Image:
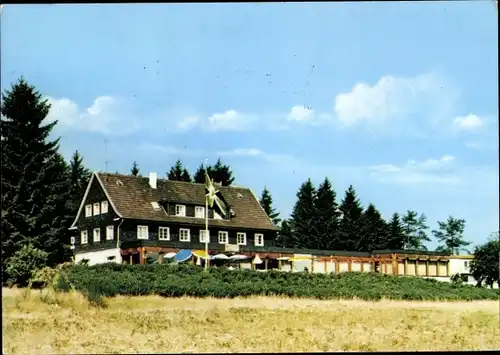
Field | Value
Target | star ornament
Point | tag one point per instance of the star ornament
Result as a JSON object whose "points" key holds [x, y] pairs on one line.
{"points": [[211, 191]]}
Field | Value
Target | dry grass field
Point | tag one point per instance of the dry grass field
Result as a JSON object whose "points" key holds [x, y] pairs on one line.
{"points": [[43, 323]]}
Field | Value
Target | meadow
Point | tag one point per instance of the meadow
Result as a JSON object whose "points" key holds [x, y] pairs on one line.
{"points": [[43, 322]]}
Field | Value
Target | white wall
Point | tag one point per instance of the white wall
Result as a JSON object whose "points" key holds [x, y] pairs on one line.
{"points": [[100, 256], [459, 266]]}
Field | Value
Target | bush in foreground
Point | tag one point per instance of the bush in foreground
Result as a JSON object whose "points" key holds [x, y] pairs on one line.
{"points": [[185, 280]]}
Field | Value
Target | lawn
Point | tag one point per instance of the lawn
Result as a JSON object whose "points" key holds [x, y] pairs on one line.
{"points": [[42, 322]]}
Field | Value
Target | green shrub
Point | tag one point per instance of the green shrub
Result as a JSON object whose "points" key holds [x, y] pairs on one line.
{"points": [[174, 280], [23, 265]]}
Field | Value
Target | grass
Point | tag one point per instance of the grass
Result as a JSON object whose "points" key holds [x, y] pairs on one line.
{"points": [[42, 322]]}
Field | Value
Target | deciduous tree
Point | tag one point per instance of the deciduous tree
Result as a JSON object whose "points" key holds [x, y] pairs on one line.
{"points": [[450, 235], [415, 231], [485, 265]]}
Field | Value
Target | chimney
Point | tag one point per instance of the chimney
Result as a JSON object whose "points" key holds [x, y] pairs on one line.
{"points": [[152, 179]]}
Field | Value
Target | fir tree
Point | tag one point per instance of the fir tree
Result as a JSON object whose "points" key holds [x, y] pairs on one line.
{"points": [[221, 173], [327, 217], [374, 231], [266, 201], [35, 178], [450, 235], [79, 178], [304, 217], [135, 169], [414, 229], [284, 239], [350, 221], [199, 175], [396, 238], [179, 173]]}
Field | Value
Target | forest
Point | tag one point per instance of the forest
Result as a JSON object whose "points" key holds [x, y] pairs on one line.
{"points": [[41, 193]]}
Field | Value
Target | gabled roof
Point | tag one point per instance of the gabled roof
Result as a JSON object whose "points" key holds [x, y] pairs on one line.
{"points": [[131, 198]]}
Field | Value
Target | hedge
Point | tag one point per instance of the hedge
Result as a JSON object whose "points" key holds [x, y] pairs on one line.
{"points": [[186, 280]]}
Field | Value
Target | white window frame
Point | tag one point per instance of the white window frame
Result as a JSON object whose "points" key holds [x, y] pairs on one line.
{"points": [[186, 238], [244, 235], [97, 209], [225, 237], [84, 237], [142, 232], [256, 237], [199, 212], [161, 235], [96, 233], [88, 210], [202, 236], [104, 207], [110, 232], [180, 210]]}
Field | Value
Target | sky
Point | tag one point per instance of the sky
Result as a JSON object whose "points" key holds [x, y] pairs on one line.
{"points": [[399, 99]]}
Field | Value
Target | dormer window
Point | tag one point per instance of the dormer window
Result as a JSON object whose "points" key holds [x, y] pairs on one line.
{"points": [[199, 212], [217, 216], [180, 210]]}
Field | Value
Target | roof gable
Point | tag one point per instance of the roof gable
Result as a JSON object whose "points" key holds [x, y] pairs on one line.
{"points": [[132, 197]]}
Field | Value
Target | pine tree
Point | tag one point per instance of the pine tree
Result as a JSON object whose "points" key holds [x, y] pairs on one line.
{"points": [[221, 173], [199, 175], [374, 235], [450, 234], [327, 217], [414, 229], [35, 178], [79, 178], [284, 239], [350, 221], [304, 217], [186, 176], [396, 234], [266, 201], [179, 173], [135, 169]]}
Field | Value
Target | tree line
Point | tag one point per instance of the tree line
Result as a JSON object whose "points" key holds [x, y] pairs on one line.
{"points": [[41, 194]]}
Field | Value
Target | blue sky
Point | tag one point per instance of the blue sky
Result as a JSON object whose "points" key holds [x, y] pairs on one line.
{"points": [[398, 99]]}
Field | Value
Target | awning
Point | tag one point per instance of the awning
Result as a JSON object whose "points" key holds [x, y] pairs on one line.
{"points": [[257, 259], [238, 257], [283, 258], [169, 255], [220, 257], [301, 258], [200, 254]]}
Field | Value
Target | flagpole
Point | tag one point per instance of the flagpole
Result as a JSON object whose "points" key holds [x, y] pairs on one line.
{"points": [[206, 224], [206, 232]]}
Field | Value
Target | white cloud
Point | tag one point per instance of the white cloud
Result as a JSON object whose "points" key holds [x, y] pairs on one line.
{"points": [[301, 113], [469, 122], [442, 170], [187, 123], [106, 115], [257, 153], [395, 99], [230, 120], [148, 148]]}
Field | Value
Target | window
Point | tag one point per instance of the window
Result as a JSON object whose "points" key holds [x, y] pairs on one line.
{"points": [[111, 258], [164, 233], [104, 206], [97, 235], [156, 206], [204, 236], [180, 210], [96, 208], [88, 210], [110, 232], [259, 240], [466, 263], [199, 212], [84, 237], [72, 240], [142, 232], [223, 238], [184, 235], [241, 239]]}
